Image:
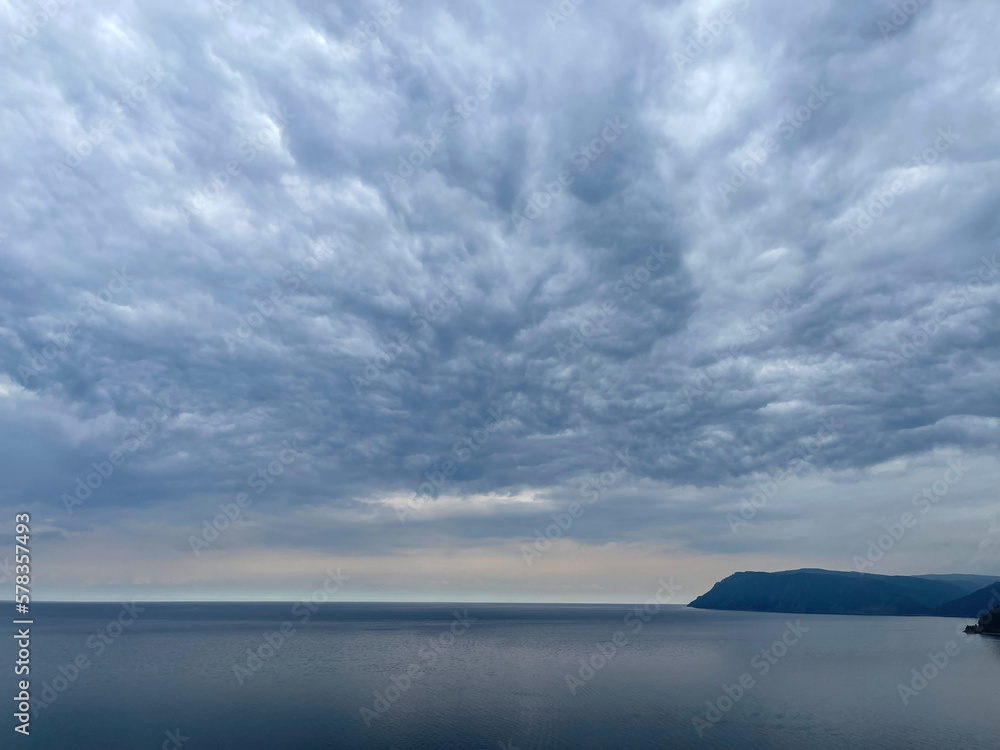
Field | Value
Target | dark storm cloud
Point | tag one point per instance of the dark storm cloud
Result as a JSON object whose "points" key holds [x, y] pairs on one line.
{"points": [[689, 232]]}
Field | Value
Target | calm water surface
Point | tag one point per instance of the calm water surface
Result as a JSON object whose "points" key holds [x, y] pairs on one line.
{"points": [[497, 677]]}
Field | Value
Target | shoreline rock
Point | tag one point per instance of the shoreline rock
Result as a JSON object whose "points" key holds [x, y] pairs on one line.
{"points": [[988, 624]]}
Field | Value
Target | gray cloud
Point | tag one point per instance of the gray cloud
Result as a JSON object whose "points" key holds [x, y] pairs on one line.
{"points": [[239, 167]]}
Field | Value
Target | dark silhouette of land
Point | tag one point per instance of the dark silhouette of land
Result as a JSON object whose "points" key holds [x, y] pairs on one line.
{"points": [[815, 591]]}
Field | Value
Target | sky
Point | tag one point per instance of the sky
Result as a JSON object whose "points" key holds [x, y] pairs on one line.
{"points": [[496, 301]]}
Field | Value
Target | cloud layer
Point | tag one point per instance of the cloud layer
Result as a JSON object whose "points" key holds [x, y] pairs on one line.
{"points": [[415, 276]]}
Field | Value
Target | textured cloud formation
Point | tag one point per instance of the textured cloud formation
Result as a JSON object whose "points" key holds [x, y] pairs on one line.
{"points": [[415, 276]]}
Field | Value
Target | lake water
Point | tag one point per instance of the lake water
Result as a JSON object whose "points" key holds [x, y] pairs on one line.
{"points": [[495, 676]]}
